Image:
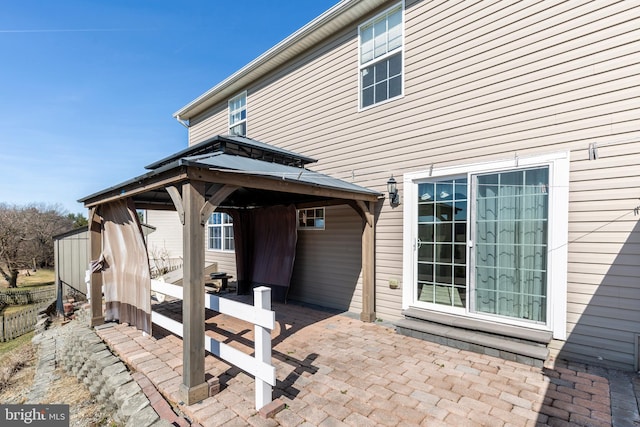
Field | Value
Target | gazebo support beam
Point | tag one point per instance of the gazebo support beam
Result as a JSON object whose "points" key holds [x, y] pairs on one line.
{"points": [[176, 198], [194, 388], [214, 201], [95, 245], [273, 184]]}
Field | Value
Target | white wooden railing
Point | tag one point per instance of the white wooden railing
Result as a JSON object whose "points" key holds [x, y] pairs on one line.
{"points": [[260, 314]]}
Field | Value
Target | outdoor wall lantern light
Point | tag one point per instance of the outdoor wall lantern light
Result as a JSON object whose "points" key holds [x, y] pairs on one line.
{"points": [[392, 189]]}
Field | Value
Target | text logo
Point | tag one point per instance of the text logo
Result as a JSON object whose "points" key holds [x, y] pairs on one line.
{"points": [[34, 415]]}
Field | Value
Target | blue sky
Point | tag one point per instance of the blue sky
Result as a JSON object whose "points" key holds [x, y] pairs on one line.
{"points": [[88, 88]]}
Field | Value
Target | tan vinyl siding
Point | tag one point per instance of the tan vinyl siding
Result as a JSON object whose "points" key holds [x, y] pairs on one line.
{"points": [[604, 249], [213, 122], [483, 81], [327, 268], [226, 261], [167, 238]]}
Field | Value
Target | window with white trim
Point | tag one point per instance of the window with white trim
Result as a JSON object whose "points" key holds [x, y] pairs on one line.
{"points": [[238, 115], [220, 232], [380, 42], [311, 219], [489, 241]]}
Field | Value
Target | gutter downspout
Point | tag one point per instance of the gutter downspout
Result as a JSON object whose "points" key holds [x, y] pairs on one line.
{"points": [[184, 123]]}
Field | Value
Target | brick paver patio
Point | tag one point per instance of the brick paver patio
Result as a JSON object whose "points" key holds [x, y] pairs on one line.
{"points": [[334, 370]]}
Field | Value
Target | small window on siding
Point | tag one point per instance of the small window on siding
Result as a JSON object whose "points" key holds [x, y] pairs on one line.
{"points": [[311, 219], [220, 232], [381, 57], [238, 115]]}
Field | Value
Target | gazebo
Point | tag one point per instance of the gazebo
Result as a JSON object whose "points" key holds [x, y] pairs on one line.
{"points": [[237, 175]]}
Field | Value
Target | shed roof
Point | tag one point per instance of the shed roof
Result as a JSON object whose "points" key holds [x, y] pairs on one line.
{"points": [[146, 230]]}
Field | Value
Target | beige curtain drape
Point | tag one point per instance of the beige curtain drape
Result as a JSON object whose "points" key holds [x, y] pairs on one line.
{"points": [[125, 275]]}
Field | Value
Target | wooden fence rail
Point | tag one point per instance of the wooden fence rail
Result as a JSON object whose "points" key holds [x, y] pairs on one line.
{"points": [[27, 296], [20, 322]]}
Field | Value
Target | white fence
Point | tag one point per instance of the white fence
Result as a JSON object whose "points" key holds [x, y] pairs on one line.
{"points": [[260, 314]]}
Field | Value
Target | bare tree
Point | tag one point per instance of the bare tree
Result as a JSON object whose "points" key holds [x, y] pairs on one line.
{"points": [[26, 237]]}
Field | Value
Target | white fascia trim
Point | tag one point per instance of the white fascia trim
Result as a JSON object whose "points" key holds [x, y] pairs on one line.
{"points": [[558, 245], [315, 30], [409, 229]]}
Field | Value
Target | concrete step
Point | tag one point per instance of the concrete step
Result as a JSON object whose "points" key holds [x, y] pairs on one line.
{"points": [[478, 337]]}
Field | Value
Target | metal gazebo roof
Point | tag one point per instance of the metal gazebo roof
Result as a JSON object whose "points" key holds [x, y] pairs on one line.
{"points": [[265, 175]]}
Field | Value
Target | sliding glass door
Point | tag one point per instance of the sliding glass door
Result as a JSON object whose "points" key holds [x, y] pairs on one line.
{"points": [[481, 244]]}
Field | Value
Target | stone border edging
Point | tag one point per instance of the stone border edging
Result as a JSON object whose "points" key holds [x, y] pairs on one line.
{"points": [[84, 355]]}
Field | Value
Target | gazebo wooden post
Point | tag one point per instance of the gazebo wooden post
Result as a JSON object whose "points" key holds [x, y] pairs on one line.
{"points": [[194, 388], [95, 247], [366, 210]]}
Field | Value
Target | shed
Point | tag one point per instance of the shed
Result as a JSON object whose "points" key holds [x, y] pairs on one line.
{"points": [[71, 257], [71, 260]]}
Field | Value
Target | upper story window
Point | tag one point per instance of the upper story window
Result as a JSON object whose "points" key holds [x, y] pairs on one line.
{"points": [[381, 57], [220, 232], [311, 219], [238, 115]]}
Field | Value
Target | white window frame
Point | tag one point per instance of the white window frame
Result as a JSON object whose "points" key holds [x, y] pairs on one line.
{"points": [[306, 227], [558, 164], [231, 112], [386, 56], [224, 223]]}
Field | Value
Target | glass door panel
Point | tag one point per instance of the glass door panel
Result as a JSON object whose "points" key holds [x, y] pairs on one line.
{"points": [[441, 242], [510, 241]]}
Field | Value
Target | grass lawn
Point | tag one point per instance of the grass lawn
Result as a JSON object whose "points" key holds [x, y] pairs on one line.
{"points": [[42, 277], [6, 347]]}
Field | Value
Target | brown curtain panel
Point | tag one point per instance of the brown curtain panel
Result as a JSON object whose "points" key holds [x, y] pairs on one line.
{"points": [[125, 274], [265, 244]]}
